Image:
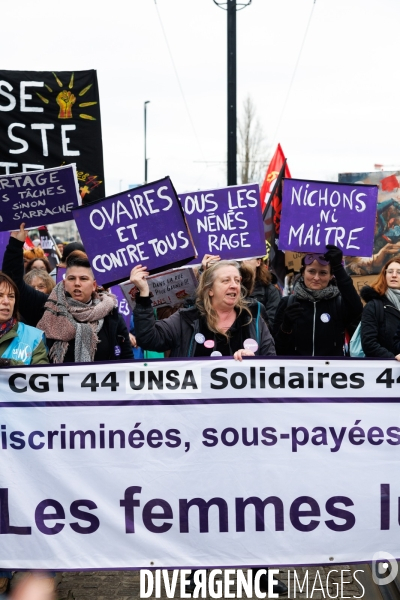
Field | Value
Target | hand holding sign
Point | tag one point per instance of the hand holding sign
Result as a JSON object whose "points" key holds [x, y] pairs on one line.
{"points": [[20, 235], [208, 259], [138, 277], [334, 255]]}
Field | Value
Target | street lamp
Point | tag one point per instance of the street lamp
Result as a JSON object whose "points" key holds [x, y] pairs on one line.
{"points": [[145, 140]]}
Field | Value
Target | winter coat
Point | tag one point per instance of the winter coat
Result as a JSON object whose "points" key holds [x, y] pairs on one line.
{"points": [[114, 343], [114, 336], [269, 296], [24, 345], [177, 332], [313, 336], [379, 323]]}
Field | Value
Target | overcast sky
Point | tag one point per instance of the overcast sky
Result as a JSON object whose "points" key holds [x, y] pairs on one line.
{"points": [[342, 111]]}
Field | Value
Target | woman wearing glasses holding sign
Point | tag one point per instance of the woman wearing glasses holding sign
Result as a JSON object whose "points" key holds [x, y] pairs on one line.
{"points": [[381, 315], [324, 303], [222, 323]]}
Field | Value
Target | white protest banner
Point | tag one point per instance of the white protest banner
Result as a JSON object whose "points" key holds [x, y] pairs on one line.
{"points": [[167, 289], [38, 197], [199, 463], [227, 222], [317, 213]]}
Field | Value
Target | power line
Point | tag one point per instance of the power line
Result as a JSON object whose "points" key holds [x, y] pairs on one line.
{"points": [[293, 76], [177, 77]]}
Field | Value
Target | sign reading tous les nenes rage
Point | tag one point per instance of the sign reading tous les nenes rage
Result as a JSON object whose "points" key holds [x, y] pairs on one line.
{"points": [[38, 197], [317, 213], [142, 226], [227, 222]]}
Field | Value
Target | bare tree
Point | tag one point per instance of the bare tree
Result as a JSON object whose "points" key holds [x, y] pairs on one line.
{"points": [[252, 152]]}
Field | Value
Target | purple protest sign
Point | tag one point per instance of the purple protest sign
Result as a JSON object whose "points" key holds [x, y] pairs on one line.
{"points": [[144, 226], [227, 222], [38, 197], [317, 213], [60, 274], [123, 306], [4, 237]]}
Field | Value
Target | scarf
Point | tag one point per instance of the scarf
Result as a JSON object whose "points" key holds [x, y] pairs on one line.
{"points": [[394, 297], [66, 319], [304, 293], [7, 326]]}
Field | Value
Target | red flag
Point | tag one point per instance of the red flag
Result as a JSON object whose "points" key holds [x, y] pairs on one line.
{"points": [[388, 184], [28, 243], [272, 207], [273, 171]]}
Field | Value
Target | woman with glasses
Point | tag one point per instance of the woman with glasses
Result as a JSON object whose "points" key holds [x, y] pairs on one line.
{"points": [[40, 280], [381, 315], [312, 322]]}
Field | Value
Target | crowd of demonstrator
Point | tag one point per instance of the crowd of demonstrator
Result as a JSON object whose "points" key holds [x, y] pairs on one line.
{"points": [[237, 311]]}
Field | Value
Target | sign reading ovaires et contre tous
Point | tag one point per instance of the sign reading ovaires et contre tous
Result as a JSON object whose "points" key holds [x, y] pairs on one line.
{"points": [[143, 226]]}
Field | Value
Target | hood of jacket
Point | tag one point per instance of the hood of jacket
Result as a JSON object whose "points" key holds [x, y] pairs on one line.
{"points": [[368, 293]]}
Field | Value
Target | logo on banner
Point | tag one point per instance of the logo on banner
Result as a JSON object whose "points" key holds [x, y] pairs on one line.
{"points": [[384, 568]]}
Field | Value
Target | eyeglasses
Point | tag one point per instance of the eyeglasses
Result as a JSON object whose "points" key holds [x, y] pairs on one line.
{"points": [[309, 259], [392, 272]]}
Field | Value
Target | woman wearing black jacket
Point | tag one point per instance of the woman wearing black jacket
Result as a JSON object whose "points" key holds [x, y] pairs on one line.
{"points": [[80, 324], [381, 315], [312, 322]]}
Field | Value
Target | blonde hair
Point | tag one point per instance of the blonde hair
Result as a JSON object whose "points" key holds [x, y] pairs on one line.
{"points": [[203, 299], [40, 274]]}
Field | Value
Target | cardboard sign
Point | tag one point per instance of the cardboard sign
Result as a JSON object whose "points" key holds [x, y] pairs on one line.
{"points": [[317, 213], [143, 226], [227, 222], [168, 289], [360, 282], [49, 119], [38, 197], [293, 261]]}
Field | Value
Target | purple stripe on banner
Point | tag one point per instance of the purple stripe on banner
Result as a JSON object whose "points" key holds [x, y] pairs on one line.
{"points": [[185, 402]]}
